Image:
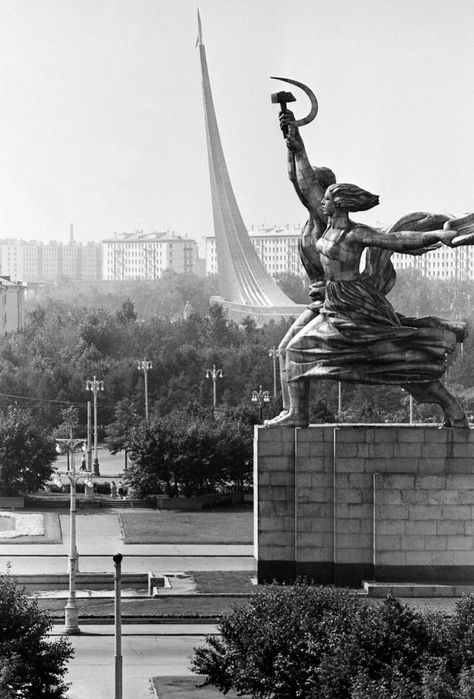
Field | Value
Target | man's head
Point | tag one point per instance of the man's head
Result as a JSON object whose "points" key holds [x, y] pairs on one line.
{"points": [[326, 177]]}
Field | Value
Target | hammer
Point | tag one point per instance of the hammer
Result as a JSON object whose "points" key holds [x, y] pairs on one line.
{"points": [[282, 98]]}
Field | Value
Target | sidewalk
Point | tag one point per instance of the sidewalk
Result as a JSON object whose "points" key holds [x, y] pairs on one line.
{"points": [[99, 537], [111, 466]]}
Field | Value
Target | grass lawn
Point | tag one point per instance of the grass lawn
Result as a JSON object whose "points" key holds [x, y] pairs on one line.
{"points": [[223, 581], [217, 526], [185, 687], [162, 608], [217, 582]]}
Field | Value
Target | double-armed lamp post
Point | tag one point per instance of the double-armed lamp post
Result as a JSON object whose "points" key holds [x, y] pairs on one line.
{"points": [[95, 386], [214, 374], [145, 365], [71, 620], [260, 397]]}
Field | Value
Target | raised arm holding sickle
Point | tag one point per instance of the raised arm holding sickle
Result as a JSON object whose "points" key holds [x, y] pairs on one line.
{"points": [[355, 335]]}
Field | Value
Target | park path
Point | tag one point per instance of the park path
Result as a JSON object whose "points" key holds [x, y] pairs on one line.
{"points": [[99, 537]]}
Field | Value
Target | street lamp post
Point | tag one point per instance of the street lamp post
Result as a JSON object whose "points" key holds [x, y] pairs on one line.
{"points": [[273, 353], [260, 397], [145, 366], [118, 625], [71, 620], [95, 386], [214, 374]]}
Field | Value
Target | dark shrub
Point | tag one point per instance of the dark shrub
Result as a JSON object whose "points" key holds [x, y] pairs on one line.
{"points": [[304, 641]]}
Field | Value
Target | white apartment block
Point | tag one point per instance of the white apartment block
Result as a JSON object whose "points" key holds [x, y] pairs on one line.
{"points": [[442, 263], [276, 247], [146, 255], [34, 261]]}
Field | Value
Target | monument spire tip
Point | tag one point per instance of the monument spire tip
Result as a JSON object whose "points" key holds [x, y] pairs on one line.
{"points": [[199, 36]]}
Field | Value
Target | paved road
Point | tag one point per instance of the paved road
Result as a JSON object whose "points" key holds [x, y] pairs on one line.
{"points": [[148, 650], [110, 465]]}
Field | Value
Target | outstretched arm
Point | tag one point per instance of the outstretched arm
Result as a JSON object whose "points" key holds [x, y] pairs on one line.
{"points": [[401, 241]]}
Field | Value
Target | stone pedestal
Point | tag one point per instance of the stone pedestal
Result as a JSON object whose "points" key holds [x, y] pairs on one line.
{"points": [[346, 503]]}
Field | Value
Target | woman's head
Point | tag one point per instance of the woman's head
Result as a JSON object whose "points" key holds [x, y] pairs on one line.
{"points": [[350, 197]]}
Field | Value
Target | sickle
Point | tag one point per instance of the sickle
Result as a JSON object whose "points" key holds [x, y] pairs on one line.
{"points": [[312, 97]]}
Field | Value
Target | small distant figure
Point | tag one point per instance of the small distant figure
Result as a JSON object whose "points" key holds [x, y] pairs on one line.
{"points": [[187, 310], [83, 466], [121, 491], [113, 489], [89, 488]]}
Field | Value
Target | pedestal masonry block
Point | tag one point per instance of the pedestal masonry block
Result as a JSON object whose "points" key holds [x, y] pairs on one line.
{"points": [[343, 503]]}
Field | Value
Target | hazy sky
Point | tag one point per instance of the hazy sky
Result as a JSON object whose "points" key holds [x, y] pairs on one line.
{"points": [[102, 125]]}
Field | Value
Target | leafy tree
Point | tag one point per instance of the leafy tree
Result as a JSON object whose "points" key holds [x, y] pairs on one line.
{"points": [[189, 454], [294, 287], [118, 432], [126, 313], [26, 453], [31, 665]]}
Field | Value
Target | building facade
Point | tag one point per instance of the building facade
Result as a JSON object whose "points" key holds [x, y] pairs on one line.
{"points": [[276, 247], [147, 255], [442, 263], [278, 250], [12, 300], [34, 261]]}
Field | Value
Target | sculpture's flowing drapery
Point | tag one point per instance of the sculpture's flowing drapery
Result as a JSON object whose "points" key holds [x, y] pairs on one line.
{"points": [[358, 337]]}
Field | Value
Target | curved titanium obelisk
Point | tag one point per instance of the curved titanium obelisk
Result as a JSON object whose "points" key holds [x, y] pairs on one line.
{"points": [[245, 285]]}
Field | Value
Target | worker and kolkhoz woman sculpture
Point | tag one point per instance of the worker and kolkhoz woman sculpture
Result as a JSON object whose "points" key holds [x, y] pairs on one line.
{"points": [[350, 332]]}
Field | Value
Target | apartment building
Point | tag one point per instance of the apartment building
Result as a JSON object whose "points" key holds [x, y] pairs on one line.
{"points": [[12, 299], [34, 261], [142, 255], [277, 248]]}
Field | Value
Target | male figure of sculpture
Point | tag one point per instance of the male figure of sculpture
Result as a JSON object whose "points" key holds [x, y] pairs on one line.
{"points": [[310, 183], [354, 334]]}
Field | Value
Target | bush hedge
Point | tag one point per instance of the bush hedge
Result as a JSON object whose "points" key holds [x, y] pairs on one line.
{"points": [[304, 641]]}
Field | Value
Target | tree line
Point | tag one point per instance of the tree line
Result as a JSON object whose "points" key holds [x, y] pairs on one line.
{"points": [[77, 332]]}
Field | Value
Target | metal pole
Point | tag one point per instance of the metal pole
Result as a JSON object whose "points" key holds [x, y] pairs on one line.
{"points": [[145, 371], [339, 399], [95, 427], [71, 621], [118, 625], [89, 440], [273, 353], [96, 460], [274, 375], [214, 390], [411, 409]]}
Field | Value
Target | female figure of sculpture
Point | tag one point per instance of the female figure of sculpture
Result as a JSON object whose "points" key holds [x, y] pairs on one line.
{"points": [[357, 336]]}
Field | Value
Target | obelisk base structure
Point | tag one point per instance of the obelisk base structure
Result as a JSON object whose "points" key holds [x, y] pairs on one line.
{"points": [[343, 503], [237, 312]]}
